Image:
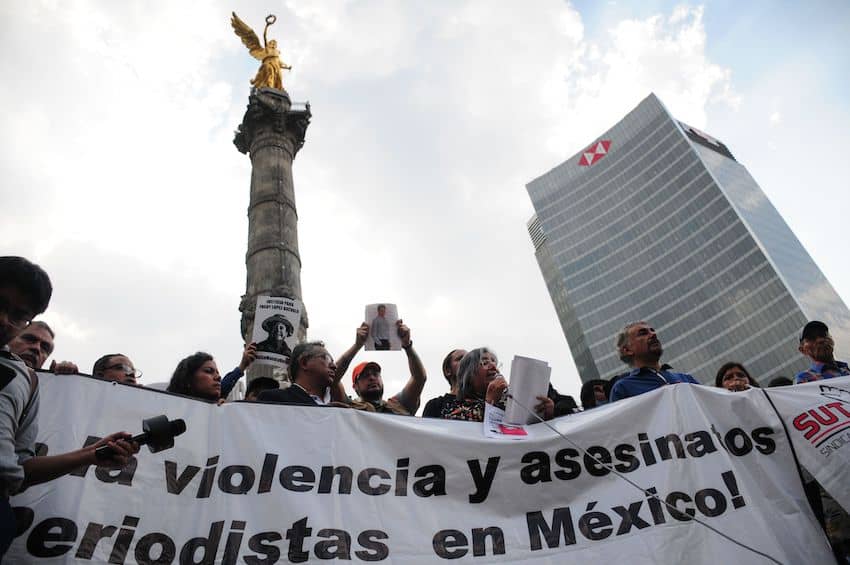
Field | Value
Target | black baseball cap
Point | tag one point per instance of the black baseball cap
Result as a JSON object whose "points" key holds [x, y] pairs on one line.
{"points": [[814, 329]]}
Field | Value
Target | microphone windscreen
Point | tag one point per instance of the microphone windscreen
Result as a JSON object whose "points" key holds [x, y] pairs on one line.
{"points": [[178, 426]]}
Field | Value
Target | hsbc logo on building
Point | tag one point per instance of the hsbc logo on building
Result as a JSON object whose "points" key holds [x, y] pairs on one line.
{"points": [[595, 152]]}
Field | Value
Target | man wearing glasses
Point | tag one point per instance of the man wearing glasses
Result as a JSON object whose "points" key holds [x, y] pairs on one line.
{"points": [[117, 368], [312, 373]]}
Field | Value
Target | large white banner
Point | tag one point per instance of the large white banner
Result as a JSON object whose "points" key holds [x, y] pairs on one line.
{"points": [[817, 416], [257, 483]]}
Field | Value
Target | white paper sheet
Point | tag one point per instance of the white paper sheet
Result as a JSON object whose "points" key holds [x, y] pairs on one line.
{"points": [[529, 379]]}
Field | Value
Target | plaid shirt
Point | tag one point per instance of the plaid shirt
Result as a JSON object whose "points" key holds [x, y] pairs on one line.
{"points": [[820, 371]]}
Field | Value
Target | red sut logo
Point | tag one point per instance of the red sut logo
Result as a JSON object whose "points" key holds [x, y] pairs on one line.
{"points": [[823, 422], [595, 152]]}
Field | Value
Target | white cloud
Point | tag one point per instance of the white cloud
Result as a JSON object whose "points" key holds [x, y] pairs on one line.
{"points": [[428, 121], [662, 55]]}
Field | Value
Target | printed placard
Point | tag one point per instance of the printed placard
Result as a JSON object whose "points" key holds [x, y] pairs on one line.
{"points": [[276, 321]]}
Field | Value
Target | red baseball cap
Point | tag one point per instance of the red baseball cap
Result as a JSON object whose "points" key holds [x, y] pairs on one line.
{"points": [[355, 374]]}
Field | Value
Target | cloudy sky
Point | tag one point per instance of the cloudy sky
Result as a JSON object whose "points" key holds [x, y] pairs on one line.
{"points": [[119, 174]]}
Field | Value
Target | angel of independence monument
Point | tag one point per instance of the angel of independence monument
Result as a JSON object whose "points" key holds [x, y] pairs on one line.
{"points": [[271, 133]]}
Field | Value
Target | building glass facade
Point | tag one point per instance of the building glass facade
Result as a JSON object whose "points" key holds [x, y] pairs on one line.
{"points": [[657, 221]]}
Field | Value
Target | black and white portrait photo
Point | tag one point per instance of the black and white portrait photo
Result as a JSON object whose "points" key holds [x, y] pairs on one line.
{"points": [[276, 321]]}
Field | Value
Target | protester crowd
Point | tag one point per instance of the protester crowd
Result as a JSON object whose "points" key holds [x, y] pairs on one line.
{"points": [[316, 378]]}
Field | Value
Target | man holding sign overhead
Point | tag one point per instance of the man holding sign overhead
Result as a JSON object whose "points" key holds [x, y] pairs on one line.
{"points": [[368, 383]]}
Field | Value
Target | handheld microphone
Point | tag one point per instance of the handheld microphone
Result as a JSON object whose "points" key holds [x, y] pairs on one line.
{"points": [[158, 434]]}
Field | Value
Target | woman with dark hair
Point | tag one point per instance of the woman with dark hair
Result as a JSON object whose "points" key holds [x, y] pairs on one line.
{"points": [[478, 382], [197, 376], [734, 377]]}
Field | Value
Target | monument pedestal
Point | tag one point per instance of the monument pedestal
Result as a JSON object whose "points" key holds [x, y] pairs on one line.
{"points": [[272, 131]]}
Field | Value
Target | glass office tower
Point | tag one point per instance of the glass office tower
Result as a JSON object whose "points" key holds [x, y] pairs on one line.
{"points": [[657, 221]]}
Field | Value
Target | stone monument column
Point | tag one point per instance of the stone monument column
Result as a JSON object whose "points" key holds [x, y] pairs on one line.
{"points": [[271, 132]]}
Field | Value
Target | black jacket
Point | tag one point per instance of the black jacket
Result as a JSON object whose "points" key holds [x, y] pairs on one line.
{"points": [[292, 395]]}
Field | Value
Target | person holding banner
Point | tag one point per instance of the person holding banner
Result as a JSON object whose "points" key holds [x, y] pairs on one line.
{"points": [[818, 346], [197, 376], [640, 348], [35, 344], [314, 378], [480, 382], [25, 291], [734, 377], [116, 367]]}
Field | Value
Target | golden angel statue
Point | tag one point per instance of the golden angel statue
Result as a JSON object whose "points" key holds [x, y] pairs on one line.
{"points": [[271, 69]]}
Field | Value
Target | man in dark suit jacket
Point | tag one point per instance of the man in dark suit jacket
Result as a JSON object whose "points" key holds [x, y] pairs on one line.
{"points": [[312, 372]]}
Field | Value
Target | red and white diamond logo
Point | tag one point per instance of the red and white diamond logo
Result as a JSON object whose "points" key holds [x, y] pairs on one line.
{"points": [[595, 152]]}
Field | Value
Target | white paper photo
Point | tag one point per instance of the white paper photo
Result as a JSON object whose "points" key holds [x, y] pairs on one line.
{"points": [[383, 333]]}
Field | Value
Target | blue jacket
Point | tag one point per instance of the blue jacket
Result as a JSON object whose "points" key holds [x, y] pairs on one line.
{"points": [[644, 379]]}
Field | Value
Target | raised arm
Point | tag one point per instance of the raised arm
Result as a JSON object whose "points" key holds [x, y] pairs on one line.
{"points": [[344, 360], [338, 393], [231, 378], [409, 395]]}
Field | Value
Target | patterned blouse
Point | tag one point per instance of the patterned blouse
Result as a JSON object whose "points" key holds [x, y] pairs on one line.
{"points": [[470, 409]]}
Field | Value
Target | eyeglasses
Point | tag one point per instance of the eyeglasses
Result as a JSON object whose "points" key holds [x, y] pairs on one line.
{"points": [[326, 357], [126, 369], [18, 318], [736, 375], [485, 361]]}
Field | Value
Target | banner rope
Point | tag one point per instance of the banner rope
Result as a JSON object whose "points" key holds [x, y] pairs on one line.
{"points": [[646, 492]]}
